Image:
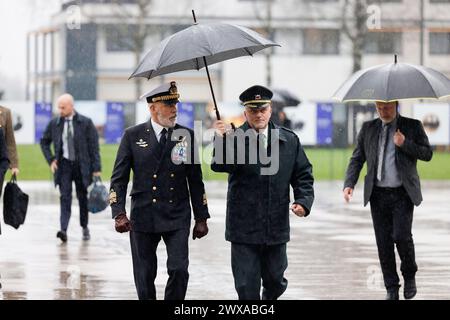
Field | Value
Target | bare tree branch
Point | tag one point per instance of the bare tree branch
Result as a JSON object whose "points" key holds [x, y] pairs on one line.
{"points": [[357, 30]]}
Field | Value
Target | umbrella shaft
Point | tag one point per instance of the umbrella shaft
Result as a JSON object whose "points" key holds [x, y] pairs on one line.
{"points": [[212, 89]]}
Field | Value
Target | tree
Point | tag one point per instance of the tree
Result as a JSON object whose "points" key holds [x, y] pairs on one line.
{"points": [[138, 34], [355, 28], [266, 26]]}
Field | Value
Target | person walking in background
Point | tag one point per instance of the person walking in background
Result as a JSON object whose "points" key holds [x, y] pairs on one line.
{"points": [[391, 146], [76, 158], [284, 121], [10, 142], [4, 161]]}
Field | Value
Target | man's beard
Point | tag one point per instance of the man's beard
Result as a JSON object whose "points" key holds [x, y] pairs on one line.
{"points": [[167, 122]]}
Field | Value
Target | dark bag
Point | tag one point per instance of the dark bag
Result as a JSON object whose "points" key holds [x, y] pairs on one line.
{"points": [[15, 204], [98, 197]]}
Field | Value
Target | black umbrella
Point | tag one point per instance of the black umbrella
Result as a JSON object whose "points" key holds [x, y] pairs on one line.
{"points": [[198, 46], [394, 81], [284, 98]]}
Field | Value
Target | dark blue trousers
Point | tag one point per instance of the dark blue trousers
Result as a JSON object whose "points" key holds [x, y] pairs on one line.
{"points": [[145, 263], [70, 171], [251, 263], [392, 216]]}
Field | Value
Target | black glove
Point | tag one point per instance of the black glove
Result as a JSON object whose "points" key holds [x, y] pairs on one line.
{"points": [[200, 229]]}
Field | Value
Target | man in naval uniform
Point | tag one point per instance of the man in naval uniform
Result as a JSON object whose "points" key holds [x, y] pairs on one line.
{"points": [[161, 155]]}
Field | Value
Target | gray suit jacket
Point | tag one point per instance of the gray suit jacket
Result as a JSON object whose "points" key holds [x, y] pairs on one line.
{"points": [[416, 147]]}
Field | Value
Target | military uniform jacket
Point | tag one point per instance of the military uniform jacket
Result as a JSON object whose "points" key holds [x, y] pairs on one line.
{"points": [[161, 188], [258, 205]]}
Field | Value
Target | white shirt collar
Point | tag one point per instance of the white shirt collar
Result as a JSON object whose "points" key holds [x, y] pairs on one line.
{"points": [[264, 132], [157, 128], [70, 117]]}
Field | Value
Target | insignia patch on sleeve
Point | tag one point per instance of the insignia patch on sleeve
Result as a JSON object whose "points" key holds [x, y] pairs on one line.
{"points": [[112, 197]]}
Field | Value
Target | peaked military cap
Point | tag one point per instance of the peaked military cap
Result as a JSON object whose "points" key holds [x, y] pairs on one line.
{"points": [[166, 93], [256, 97]]}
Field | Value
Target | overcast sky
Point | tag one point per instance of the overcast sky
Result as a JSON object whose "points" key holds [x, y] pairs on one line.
{"points": [[16, 19]]}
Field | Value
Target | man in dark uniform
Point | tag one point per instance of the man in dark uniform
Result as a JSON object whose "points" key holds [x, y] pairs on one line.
{"points": [[391, 146], [161, 154], [257, 220]]}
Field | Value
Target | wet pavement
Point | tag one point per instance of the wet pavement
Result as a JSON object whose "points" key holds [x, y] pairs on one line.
{"points": [[332, 253]]}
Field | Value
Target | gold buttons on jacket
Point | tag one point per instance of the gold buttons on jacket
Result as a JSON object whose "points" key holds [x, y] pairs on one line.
{"points": [[154, 188], [155, 176], [154, 200], [172, 175], [171, 201], [171, 189]]}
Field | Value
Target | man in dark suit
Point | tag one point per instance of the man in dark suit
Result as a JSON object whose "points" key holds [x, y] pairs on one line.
{"points": [[161, 155], [263, 160], [76, 158], [391, 145]]}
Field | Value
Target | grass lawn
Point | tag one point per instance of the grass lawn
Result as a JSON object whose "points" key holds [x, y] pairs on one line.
{"points": [[327, 164]]}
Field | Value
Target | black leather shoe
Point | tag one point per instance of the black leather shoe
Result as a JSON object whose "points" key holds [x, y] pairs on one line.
{"points": [[86, 234], [410, 289], [392, 294], [62, 235]]}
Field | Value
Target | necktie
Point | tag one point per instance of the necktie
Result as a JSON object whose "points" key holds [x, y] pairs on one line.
{"points": [[382, 151], [262, 140], [70, 141], [163, 139]]}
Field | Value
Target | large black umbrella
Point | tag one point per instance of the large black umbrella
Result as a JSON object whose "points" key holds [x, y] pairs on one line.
{"points": [[394, 81], [198, 46], [284, 98]]}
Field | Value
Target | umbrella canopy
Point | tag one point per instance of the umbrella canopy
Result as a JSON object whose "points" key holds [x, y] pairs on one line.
{"points": [[198, 46], [284, 98], [394, 81], [185, 49]]}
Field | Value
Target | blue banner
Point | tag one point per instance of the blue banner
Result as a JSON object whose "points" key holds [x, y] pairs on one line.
{"points": [[115, 122], [324, 123], [42, 116], [186, 114]]}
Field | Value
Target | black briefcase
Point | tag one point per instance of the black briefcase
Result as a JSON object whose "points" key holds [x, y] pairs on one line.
{"points": [[15, 204]]}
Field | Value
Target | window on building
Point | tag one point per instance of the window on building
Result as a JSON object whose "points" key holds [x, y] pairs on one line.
{"points": [[321, 0], [383, 43], [383, 1], [119, 38], [290, 41], [321, 41], [439, 42]]}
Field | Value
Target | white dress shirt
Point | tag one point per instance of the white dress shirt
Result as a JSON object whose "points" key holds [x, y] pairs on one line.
{"points": [[64, 136], [157, 128]]}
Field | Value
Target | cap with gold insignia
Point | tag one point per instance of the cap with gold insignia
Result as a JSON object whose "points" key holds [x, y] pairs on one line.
{"points": [[166, 93], [256, 97]]}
